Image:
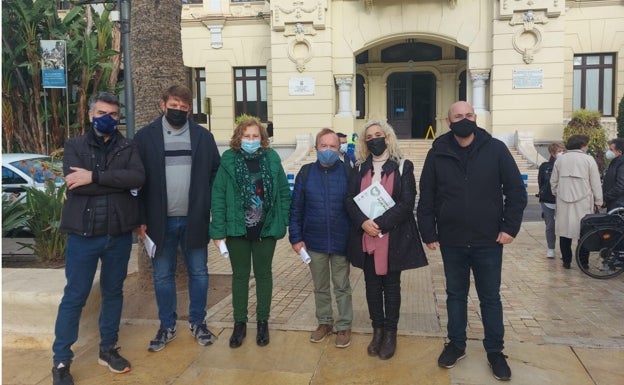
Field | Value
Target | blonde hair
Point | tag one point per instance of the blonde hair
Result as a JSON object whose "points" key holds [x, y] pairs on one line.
{"points": [[361, 150]]}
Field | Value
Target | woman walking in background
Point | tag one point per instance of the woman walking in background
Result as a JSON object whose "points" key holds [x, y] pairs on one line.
{"points": [[389, 243], [250, 206]]}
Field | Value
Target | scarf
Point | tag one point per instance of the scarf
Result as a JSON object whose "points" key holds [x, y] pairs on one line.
{"points": [[376, 246], [243, 178]]}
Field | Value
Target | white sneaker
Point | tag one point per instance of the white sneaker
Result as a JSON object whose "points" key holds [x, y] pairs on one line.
{"points": [[550, 253]]}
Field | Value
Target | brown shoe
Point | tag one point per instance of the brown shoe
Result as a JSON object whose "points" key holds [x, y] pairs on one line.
{"points": [[375, 344], [343, 338], [321, 332]]}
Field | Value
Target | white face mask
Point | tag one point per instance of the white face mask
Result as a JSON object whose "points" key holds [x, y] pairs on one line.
{"points": [[343, 147], [558, 155], [610, 155]]}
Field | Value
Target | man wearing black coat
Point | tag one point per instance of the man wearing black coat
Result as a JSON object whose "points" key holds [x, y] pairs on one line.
{"points": [[471, 204], [181, 161], [613, 182]]}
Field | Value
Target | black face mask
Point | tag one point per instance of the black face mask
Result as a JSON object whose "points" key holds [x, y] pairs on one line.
{"points": [[463, 128], [176, 118], [376, 146]]}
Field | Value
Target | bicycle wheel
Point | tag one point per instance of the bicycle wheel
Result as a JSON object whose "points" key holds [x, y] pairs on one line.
{"points": [[600, 253]]}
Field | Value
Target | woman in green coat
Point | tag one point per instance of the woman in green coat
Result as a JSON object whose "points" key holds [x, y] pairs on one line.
{"points": [[250, 207]]}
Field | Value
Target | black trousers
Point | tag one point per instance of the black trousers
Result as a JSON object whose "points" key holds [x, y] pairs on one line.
{"points": [[383, 295]]}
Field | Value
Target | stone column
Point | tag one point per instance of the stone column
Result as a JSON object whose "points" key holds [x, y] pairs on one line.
{"points": [[345, 83], [479, 77]]}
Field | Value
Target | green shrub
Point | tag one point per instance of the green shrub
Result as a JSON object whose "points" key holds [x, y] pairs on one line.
{"points": [[15, 215], [44, 207], [587, 122], [242, 117], [620, 119]]}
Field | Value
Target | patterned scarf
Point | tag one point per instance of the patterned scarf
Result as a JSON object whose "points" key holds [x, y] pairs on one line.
{"points": [[243, 178]]}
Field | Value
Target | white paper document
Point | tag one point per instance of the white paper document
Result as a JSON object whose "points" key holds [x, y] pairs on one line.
{"points": [[374, 200], [224, 250], [150, 246], [305, 257]]}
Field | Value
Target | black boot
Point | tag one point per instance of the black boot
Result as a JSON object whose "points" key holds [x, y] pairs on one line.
{"points": [[262, 338], [388, 345], [239, 333], [375, 344]]}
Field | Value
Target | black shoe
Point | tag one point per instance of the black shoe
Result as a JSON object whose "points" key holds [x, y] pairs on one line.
{"points": [[238, 335], [498, 363], [566, 265], [262, 338], [450, 355], [61, 375], [375, 344], [388, 345], [115, 362]]}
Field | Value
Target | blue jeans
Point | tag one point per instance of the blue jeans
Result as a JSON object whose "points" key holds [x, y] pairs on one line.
{"points": [[164, 270], [81, 260], [486, 265]]}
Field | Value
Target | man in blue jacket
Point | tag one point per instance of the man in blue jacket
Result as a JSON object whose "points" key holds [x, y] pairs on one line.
{"points": [[471, 202], [319, 223]]}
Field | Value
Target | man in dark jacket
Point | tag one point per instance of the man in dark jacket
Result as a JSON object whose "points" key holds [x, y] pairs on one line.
{"points": [[181, 160], [547, 200], [613, 182], [319, 223], [471, 204], [102, 171]]}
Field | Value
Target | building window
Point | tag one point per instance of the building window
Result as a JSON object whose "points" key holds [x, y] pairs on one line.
{"points": [[198, 85], [251, 92], [594, 82], [63, 5]]}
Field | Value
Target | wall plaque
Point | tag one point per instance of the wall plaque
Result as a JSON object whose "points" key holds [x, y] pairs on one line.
{"points": [[531, 78], [301, 86]]}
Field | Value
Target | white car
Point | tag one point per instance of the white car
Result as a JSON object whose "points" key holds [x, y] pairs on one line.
{"points": [[29, 170]]}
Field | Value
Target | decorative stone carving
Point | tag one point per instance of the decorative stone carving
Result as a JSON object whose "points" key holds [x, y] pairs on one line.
{"points": [[216, 38], [299, 48], [301, 11], [552, 8], [528, 39]]}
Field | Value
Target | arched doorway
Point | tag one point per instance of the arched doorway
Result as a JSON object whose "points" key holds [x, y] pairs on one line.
{"points": [[411, 103]]}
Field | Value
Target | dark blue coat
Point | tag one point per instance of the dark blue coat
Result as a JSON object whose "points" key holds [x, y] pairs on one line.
{"points": [[317, 211]]}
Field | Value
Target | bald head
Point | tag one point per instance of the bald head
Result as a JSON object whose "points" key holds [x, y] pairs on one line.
{"points": [[460, 110]]}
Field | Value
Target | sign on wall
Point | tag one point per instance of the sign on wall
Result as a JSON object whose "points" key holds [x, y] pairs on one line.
{"points": [[301, 86], [528, 78]]}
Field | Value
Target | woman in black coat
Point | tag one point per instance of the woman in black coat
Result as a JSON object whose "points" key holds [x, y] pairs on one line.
{"points": [[386, 244]]}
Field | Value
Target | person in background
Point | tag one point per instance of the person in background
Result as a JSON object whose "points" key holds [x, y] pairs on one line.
{"points": [[575, 181], [102, 172], [181, 160], [613, 182], [344, 145], [250, 206], [471, 204], [389, 243], [546, 198], [319, 223]]}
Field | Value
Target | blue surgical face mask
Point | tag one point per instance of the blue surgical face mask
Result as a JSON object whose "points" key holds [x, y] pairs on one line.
{"points": [[105, 124], [250, 146], [327, 157], [344, 147]]}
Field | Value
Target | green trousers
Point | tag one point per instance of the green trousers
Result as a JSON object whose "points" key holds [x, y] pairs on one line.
{"points": [[243, 255]]}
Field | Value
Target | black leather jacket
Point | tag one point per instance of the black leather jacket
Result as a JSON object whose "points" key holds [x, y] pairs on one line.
{"points": [[106, 206]]}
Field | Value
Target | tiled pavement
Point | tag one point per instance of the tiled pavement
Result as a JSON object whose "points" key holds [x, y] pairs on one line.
{"points": [[562, 327]]}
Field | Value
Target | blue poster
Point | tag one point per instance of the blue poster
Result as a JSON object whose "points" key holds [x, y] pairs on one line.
{"points": [[53, 57]]}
